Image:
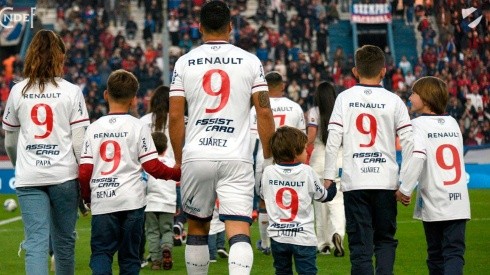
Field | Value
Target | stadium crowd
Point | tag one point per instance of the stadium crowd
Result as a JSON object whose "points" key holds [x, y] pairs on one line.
{"points": [[288, 36]]}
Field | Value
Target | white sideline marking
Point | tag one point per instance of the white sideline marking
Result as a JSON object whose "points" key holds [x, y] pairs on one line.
{"points": [[10, 220]]}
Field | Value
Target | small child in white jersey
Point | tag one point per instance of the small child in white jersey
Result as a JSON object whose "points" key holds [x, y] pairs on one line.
{"points": [[288, 188], [116, 150], [437, 164], [160, 210]]}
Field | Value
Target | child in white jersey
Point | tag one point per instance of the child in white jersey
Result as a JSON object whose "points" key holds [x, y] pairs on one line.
{"points": [[160, 210], [288, 188], [116, 149], [437, 164]]}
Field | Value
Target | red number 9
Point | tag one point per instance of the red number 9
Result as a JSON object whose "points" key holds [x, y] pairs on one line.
{"points": [[370, 131], [109, 154], [47, 119], [292, 206], [223, 92], [456, 162]]}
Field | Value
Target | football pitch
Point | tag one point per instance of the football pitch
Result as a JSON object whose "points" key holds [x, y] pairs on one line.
{"points": [[410, 257]]}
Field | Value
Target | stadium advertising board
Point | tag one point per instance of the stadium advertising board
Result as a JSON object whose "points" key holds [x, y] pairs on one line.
{"points": [[371, 13]]}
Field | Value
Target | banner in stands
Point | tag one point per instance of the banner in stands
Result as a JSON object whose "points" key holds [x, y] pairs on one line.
{"points": [[13, 22], [371, 13]]}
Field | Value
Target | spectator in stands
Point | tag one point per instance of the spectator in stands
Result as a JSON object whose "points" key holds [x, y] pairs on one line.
{"points": [[131, 28]]}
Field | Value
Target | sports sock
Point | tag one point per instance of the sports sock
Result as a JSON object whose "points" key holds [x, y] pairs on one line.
{"points": [[263, 224], [241, 255], [197, 255]]}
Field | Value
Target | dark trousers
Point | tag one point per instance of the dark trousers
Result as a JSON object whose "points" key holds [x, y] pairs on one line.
{"points": [[445, 246], [371, 227], [117, 232], [304, 258]]}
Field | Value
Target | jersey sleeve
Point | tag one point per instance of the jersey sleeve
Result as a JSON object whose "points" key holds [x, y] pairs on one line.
{"points": [[320, 193], [86, 156], [402, 118], [336, 121], [313, 117], [259, 79], [177, 85], [146, 146], [301, 119], [10, 121], [79, 116]]}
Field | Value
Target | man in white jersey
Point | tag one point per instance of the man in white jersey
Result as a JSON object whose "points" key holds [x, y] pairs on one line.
{"points": [[285, 112], [437, 164], [365, 120], [217, 81]]}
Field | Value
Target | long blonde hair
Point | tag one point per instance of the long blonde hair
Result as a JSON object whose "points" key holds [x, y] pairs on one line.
{"points": [[44, 60]]}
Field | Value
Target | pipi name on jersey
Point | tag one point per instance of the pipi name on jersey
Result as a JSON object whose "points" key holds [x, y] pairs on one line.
{"points": [[376, 157], [215, 60], [442, 135], [287, 183], [106, 182], [111, 135], [367, 105], [43, 149], [213, 142], [42, 95]]}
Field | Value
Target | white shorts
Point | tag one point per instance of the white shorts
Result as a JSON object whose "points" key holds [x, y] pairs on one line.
{"points": [[232, 182]]}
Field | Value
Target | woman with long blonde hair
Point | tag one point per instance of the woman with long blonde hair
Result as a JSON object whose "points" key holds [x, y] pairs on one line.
{"points": [[44, 122]]}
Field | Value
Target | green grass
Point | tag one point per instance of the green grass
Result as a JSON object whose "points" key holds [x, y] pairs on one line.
{"points": [[410, 258]]}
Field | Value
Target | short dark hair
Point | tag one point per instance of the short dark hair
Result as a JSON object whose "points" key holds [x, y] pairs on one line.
{"points": [[433, 92], [160, 140], [215, 16], [122, 85], [273, 78], [287, 143], [370, 60]]}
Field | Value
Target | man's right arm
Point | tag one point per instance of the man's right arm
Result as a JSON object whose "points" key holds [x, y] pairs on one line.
{"points": [[265, 120], [177, 126]]}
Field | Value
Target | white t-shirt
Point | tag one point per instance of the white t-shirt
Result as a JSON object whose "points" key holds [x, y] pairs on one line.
{"points": [[217, 80], [368, 118], [288, 191], [117, 145], [45, 120], [161, 194], [285, 112], [442, 185]]}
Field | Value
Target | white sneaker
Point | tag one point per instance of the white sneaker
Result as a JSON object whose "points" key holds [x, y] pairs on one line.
{"points": [[222, 253]]}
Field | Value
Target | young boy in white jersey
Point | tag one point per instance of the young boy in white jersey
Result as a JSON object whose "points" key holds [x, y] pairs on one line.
{"points": [[116, 149], [288, 188], [285, 112], [365, 121], [437, 164], [160, 210]]}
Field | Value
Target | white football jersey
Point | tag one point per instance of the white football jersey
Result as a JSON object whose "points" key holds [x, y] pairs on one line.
{"points": [[369, 118], [117, 145], [442, 189], [288, 191], [285, 112], [45, 120], [217, 80], [161, 194]]}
